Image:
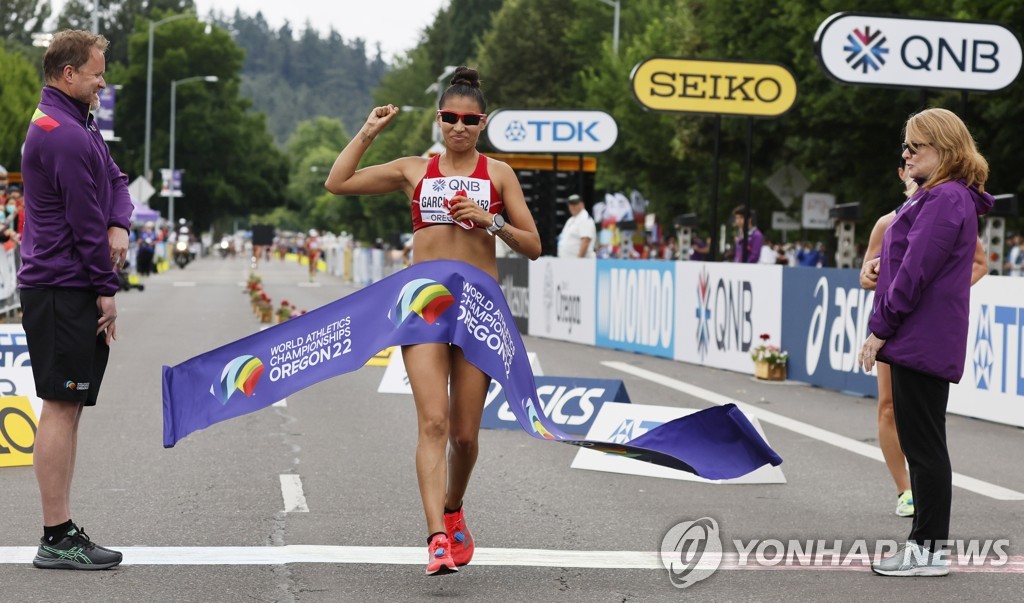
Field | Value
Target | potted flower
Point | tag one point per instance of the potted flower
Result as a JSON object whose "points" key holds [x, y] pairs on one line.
{"points": [[769, 360], [265, 309], [284, 311]]}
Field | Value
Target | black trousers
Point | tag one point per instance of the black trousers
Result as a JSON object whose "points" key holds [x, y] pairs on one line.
{"points": [[919, 402]]}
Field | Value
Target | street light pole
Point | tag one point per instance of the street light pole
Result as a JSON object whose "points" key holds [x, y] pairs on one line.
{"points": [[174, 107], [146, 171], [615, 28]]}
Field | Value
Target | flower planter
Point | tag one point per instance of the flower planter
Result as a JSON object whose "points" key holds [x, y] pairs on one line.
{"points": [[770, 372]]}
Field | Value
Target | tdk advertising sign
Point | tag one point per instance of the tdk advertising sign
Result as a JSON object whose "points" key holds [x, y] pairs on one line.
{"points": [[857, 48], [636, 306], [552, 131], [572, 403]]}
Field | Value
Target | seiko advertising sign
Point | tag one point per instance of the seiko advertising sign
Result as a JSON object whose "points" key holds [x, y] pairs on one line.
{"points": [[721, 87], [552, 131], [857, 48]]}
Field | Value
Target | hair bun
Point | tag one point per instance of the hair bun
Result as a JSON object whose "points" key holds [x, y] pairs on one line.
{"points": [[464, 76]]}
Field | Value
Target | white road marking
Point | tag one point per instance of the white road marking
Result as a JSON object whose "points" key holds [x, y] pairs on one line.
{"points": [[280, 555], [291, 490], [184, 283], [872, 452], [282, 402]]}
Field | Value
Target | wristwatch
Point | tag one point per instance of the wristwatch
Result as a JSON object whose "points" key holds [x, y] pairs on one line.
{"points": [[497, 224]]}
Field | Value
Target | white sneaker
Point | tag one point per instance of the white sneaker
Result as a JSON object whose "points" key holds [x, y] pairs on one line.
{"points": [[910, 559]]}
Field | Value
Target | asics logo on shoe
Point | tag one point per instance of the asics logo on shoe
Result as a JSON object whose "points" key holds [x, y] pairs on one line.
{"points": [[73, 554]]}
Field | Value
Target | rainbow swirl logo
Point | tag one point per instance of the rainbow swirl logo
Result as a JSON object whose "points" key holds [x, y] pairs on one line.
{"points": [[535, 423], [424, 297], [242, 373], [71, 385]]}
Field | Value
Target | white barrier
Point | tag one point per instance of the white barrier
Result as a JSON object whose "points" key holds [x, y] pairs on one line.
{"points": [[713, 313], [8, 281], [992, 387]]}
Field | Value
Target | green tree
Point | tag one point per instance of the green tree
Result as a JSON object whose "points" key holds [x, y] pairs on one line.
{"points": [[232, 167], [19, 19], [117, 19], [19, 94]]}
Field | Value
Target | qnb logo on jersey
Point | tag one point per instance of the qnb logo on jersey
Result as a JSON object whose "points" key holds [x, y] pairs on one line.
{"points": [[847, 328], [241, 374], [691, 551], [438, 185], [865, 50], [423, 297], [515, 131], [998, 349]]}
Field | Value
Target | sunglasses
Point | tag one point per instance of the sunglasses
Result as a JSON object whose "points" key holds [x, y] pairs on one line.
{"points": [[470, 119], [912, 147]]}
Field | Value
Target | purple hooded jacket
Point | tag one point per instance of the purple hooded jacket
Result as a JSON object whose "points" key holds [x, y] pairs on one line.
{"points": [[922, 299], [73, 193]]}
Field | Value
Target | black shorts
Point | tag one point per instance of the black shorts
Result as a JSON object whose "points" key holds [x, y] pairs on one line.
{"points": [[68, 357]]}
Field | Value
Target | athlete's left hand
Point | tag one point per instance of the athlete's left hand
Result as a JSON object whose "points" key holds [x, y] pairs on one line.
{"points": [[463, 208]]}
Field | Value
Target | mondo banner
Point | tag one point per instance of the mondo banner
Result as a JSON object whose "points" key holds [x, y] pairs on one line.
{"points": [[826, 323], [636, 306], [723, 310]]}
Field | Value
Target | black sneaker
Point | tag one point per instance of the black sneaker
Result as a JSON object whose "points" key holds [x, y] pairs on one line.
{"points": [[75, 551]]}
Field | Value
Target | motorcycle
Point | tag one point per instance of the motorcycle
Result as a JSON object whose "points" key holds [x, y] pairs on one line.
{"points": [[182, 255]]}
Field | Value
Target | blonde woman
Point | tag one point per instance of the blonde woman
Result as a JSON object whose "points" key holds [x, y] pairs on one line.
{"points": [[888, 440], [924, 279]]}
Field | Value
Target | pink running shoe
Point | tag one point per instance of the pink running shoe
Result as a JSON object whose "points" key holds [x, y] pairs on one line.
{"points": [[459, 536], [439, 557]]}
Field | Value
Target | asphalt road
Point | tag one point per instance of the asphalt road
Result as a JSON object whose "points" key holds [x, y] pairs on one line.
{"points": [[352, 449]]}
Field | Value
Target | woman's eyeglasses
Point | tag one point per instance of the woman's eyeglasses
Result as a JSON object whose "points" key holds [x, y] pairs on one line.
{"points": [[912, 147], [470, 119]]}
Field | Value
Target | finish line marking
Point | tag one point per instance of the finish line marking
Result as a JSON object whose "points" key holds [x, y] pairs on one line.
{"points": [[281, 555], [806, 429]]}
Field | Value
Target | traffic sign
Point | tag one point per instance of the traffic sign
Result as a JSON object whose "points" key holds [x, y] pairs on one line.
{"points": [[141, 190], [787, 184]]}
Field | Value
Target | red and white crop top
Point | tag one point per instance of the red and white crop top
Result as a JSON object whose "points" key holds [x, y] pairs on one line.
{"points": [[428, 201]]}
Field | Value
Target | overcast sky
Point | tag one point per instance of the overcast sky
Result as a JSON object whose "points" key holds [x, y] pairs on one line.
{"points": [[395, 24]]}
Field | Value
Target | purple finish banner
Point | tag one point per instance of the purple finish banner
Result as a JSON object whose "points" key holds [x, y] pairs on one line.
{"points": [[431, 302]]}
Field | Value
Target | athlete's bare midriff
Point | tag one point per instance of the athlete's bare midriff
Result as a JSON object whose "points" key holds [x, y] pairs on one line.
{"points": [[450, 242]]}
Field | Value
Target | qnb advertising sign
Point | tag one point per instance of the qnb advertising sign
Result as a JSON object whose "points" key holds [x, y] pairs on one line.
{"points": [[857, 48], [636, 306], [723, 309], [722, 87], [552, 131]]}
